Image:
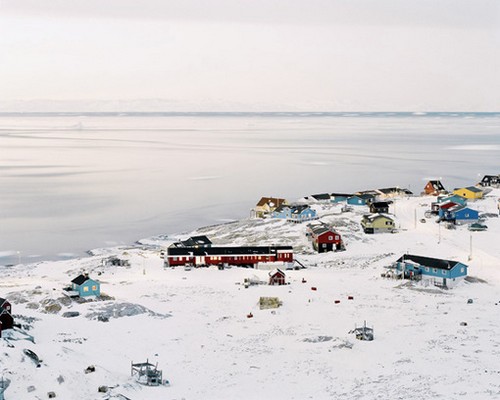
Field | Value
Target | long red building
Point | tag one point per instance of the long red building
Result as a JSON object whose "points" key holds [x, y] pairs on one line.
{"points": [[221, 256]]}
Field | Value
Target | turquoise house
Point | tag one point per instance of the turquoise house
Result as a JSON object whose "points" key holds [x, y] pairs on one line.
{"points": [[453, 198], [339, 197], [85, 286], [443, 273]]}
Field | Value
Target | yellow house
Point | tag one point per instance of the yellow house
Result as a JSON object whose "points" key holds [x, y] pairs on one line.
{"points": [[267, 205], [469, 192], [373, 223]]}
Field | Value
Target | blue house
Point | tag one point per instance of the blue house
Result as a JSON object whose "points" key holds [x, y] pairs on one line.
{"points": [[443, 273], [297, 213], [461, 215], [85, 286], [360, 199]]}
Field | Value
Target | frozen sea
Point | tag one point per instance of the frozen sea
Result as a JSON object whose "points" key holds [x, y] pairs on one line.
{"points": [[70, 182]]}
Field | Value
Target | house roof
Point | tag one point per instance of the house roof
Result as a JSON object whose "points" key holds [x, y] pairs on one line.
{"points": [[321, 229], [471, 188], [196, 241], [80, 279], [380, 204], [321, 196], [364, 196], [394, 190], [341, 194], [229, 250], [373, 217], [275, 272], [272, 201], [447, 205], [429, 262], [436, 184], [2, 300], [300, 208]]}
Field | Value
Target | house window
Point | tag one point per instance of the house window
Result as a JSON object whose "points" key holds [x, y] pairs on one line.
{"points": [[462, 270], [7, 308], [324, 245], [86, 289], [94, 288], [443, 272], [175, 258], [388, 222], [330, 237], [336, 237], [426, 269], [434, 270]]}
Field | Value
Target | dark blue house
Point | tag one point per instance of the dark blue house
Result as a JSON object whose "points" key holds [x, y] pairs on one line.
{"points": [[360, 199]]}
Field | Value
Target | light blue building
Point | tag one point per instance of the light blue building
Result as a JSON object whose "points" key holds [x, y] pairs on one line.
{"points": [[444, 273], [85, 286], [360, 199], [297, 213]]}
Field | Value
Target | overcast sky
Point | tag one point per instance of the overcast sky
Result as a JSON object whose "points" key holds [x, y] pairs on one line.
{"points": [[328, 55]]}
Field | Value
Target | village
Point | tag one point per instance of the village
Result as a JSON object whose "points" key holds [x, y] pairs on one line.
{"points": [[325, 270]]}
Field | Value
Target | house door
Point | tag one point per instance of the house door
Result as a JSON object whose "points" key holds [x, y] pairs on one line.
{"points": [[200, 260]]}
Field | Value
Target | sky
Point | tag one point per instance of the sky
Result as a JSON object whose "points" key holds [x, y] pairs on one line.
{"points": [[258, 55]]}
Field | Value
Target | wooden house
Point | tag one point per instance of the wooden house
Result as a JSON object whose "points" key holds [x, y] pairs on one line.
{"points": [[439, 272], [455, 198], [443, 208], [5, 305], [6, 319], [434, 188], [294, 213], [267, 205], [490, 181], [83, 286], [469, 192], [325, 239], [381, 207], [361, 199], [247, 256], [277, 277], [461, 215], [339, 197], [374, 223], [389, 193]]}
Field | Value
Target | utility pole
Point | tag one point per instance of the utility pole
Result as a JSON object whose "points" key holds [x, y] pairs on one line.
{"points": [[470, 253]]}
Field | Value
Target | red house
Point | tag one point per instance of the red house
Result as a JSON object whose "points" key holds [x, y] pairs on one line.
{"points": [[277, 277], [434, 188], [325, 239]]}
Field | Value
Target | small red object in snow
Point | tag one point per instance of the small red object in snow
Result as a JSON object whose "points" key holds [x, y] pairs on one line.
{"points": [[337, 301], [350, 297], [250, 315], [303, 280], [314, 288]]}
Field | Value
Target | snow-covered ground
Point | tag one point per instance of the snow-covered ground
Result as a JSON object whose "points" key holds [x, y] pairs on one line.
{"points": [[194, 323]]}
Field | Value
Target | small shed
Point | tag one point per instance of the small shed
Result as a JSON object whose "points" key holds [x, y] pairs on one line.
{"points": [[277, 277], [325, 239], [85, 286], [146, 373]]}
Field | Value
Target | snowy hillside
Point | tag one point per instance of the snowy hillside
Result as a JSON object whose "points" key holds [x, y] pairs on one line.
{"points": [[194, 323]]}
